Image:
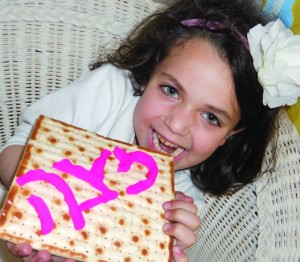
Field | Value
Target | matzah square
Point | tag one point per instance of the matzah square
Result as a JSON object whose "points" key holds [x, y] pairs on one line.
{"points": [[90, 198]]}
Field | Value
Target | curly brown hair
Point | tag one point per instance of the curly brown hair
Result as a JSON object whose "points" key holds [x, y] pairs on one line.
{"points": [[239, 161]]}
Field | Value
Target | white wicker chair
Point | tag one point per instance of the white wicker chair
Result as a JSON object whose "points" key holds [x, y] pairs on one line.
{"points": [[45, 44]]}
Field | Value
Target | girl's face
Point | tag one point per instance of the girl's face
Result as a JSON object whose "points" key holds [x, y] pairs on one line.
{"points": [[188, 107]]}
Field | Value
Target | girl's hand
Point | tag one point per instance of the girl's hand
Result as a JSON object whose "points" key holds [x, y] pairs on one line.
{"points": [[182, 214], [26, 252]]}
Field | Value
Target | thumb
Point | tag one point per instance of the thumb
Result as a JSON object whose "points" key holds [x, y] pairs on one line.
{"points": [[19, 250]]}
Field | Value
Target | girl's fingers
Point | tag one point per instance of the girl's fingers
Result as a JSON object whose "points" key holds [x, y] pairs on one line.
{"points": [[183, 235], [182, 216], [177, 204], [39, 256], [19, 250], [179, 255], [25, 251], [181, 196]]}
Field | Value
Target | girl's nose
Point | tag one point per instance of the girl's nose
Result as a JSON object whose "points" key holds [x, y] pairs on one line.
{"points": [[179, 121]]}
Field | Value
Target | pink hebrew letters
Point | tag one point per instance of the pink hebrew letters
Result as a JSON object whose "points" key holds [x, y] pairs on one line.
{"points": [[94, 176]]}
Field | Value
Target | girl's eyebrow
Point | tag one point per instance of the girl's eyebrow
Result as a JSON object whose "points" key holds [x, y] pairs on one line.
{"points": [[175, 81], [219, 111]]}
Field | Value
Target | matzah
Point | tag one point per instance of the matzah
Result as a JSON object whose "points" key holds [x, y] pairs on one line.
{"points": [[90, 198]]}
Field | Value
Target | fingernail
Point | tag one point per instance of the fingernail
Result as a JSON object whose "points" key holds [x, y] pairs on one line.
{"points": [[177, 249], [166, 227], [166, 205]]}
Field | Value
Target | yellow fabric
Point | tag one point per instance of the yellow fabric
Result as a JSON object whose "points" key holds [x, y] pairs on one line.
{"points": [[294, 114], [294, 111], [296, 15]]}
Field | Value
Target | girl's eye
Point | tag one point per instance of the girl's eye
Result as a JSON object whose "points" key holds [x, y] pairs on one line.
{"points": [[212, 119], [170, 91]]}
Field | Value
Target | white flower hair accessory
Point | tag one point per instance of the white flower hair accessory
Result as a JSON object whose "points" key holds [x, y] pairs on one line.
{"points": [[276, 54]]}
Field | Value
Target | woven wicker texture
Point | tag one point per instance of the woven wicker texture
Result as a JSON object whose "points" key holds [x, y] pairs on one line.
{"points": [[45, 45], [229, 228], [261, 222], [48, 43], [278, 200]]}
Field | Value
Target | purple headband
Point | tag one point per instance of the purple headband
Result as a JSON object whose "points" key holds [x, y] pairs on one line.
{"points": [[212, 25]]}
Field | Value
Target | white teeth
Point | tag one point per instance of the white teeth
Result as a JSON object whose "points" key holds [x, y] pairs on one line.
{"points": [[165, 142], [158, 139], [177, 152]]}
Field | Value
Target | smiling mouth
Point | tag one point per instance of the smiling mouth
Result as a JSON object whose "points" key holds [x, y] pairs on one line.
{"points": [[165, 146]]}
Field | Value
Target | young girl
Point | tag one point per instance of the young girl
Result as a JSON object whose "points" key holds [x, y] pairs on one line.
{"points": [[184, 83]]}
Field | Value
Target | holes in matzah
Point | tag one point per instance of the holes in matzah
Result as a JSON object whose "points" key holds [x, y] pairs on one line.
{"points": [[122, 222], [147, 232], [81, 148], [145, 221], [71, 139], [113, 183], [162, 245], [114, 209], [52, 140], [111, 158], [67, 153], [78, 188], [118, 244], [84, 234], [149, 200], [25, 193], [162, 189], [145, 252], [17, 215], [140, 167], [39, 150], [103, 230], [66, 217], [135, 239], [130, 204], [99, 251], [35, 166], [65, 176]]}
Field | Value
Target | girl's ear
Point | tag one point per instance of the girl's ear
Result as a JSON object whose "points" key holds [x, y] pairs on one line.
{"points": [[233, 132]]}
